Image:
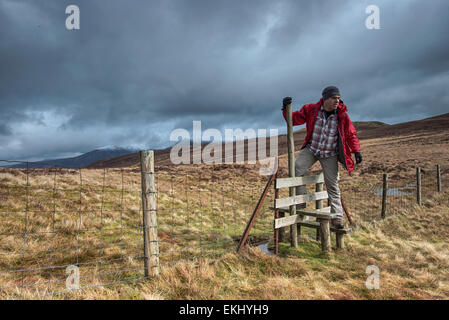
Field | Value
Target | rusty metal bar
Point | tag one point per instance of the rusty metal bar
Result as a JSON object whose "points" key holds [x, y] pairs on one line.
{"points": [[255, 212]]}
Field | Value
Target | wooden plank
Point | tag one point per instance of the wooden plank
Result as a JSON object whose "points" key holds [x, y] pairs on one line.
{"points": [[325, 209], [316, 225], [291, 220], [299, 181], [149, 209], [287, 221], [287, 209], [285, 202], [316, 214]]}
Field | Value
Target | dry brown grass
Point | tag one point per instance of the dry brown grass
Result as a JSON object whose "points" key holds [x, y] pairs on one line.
{"points": [[203, 209]]}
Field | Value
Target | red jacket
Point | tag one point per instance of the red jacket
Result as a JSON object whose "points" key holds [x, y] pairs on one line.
{"points": [[347, 139]]}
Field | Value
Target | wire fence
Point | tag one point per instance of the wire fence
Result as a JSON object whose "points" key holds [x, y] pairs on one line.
{"points": [[56, 218], [204, 211], [364, 197]]}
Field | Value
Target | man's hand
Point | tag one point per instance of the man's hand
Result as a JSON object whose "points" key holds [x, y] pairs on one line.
{"points": [[286, 101], [358, 157]]}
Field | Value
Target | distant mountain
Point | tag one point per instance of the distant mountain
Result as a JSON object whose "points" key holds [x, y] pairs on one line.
{"points": [[80, 161], [365, 130], [162, 156]]}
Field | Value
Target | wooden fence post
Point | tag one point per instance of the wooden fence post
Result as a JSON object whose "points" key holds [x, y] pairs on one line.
{"points": [[438, 178], [384, 195], [291, 172], [325, 235], [149, 207], [318, 205], [276, 214], [418, 185]]}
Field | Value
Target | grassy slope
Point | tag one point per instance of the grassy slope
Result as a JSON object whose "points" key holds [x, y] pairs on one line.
{"points": [[409, 247], [410, 251]]}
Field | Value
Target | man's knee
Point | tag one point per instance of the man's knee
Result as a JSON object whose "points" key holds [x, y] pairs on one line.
{"points": [[333, 191], [300, 170]]}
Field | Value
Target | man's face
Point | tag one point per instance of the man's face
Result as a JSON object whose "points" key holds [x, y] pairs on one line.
{"points": [[331, 103]]}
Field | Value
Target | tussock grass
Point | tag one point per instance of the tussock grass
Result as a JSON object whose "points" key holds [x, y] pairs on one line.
{"points": [[202, 211], [413, 265]]}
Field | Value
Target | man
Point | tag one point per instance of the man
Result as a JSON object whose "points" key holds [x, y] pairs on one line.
{"points": [[330, 136]]}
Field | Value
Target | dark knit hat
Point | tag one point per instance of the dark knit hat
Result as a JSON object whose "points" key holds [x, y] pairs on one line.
{"points": [[330, 91]]}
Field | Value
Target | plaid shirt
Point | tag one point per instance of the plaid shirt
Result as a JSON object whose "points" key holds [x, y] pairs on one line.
{"points": [[323, 142]]}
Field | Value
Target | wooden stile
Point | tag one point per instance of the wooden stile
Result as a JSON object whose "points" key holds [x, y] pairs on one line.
{"points": [[322, 215]]}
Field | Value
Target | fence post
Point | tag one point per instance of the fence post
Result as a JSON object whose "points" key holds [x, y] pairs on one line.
{"points": [[276, 213], [384, 195], [418, 185], [291, 172], [438, 178], [149, 213], [318, 205]]}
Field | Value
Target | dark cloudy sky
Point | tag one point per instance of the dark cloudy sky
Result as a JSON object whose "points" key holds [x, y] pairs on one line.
{"points": [[138, 69]]}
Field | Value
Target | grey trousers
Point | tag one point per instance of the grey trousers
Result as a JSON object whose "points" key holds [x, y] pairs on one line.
{"points": [[303, 163]]}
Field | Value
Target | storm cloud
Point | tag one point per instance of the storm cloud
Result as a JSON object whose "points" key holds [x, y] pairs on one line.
{"points": [[135, 71]]}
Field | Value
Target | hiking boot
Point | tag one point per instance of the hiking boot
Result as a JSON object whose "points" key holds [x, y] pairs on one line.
{"points": [[337, 223]]}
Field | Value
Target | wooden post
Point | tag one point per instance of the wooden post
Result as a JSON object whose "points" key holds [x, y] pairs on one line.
{"points": [[276, 216], [149, 207], [384, 195], [325, 235], [418, 185], [438, 178], [318, 205], [291, 172], [281, 232], [340, 240]]}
